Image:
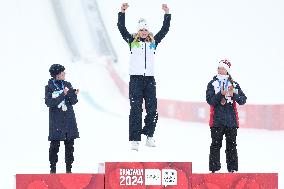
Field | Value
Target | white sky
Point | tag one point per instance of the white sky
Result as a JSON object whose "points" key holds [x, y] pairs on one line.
{"points": [[249, 33]]}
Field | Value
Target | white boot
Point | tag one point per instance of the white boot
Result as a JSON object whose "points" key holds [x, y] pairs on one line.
{"points": [[150, 142], [134, 145]]}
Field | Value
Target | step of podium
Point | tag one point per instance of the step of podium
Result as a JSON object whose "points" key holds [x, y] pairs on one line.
{"points": [[60, 181], [235, 181]]}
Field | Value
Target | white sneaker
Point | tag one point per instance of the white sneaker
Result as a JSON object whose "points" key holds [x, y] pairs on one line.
{"points": [[150, 142], [134, 145]]}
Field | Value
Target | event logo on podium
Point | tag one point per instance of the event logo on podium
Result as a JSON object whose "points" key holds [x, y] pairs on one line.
{"points": [[140, 175], [134, 177]]}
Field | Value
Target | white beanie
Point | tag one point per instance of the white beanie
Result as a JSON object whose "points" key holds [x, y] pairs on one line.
{"points": [[225, 64], [142, 24]]}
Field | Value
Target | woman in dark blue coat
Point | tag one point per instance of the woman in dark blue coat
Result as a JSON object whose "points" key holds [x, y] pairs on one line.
{"points": [[222, 94], [60, 98]]}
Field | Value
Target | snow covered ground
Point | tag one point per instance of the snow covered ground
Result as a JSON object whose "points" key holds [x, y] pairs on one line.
{"points": [[104, 134], [31, 42]]}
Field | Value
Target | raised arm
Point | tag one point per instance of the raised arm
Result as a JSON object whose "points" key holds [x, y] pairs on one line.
{"points": [[166, 25], [121, 24]]}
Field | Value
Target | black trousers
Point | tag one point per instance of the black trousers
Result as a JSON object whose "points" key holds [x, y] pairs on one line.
{"points": [[142, 87], [231, 148], [54, 149]]}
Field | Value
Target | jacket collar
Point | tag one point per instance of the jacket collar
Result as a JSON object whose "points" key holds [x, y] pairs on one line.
{"points": [[222, 77]]}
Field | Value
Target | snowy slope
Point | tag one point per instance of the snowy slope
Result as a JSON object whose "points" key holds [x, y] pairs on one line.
{"points": [[248, 33], [31, 42]]}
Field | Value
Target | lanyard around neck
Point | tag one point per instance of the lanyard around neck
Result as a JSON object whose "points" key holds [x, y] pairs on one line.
{"points": [[226, 85], [57, 87]]}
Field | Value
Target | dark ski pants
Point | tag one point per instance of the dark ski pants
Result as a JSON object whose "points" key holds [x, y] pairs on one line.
{"points": [[54, 149], [142, 87], [231, 148]]}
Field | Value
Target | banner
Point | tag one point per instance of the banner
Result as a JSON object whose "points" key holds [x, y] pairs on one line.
{"points": [[268, 117]]}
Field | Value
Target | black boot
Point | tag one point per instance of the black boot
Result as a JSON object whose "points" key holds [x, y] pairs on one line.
{"points": [[68, 168], [52, 168], [69, 158], [231, 171], [53, 157]]}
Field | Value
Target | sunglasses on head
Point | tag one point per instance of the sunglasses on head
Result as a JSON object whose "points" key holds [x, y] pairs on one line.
{"points": [[143, 30]]}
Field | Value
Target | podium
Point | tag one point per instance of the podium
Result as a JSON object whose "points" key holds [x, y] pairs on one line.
{"points": [[59, 181], [148, 175], [235, 181]]}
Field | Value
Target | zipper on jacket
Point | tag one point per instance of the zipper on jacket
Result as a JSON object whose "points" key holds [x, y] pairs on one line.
{"points": [[145, 60]]}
